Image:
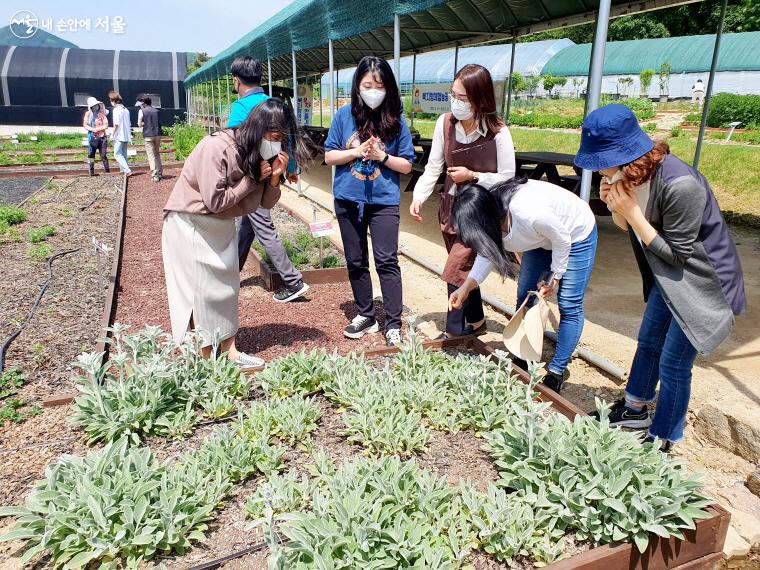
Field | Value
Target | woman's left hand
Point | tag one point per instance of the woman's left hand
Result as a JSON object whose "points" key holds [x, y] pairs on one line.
{"points": [[623, 201], [460, 174], [375, 152], [278, 166], [548, 290]]}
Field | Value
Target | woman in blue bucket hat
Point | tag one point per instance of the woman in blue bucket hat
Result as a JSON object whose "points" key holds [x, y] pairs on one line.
{"points": [[693, 283]]}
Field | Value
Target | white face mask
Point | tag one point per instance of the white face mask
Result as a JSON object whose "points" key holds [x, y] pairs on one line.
{"points": [[615, 177], [269, 149], [372, 97], [461, 110]]}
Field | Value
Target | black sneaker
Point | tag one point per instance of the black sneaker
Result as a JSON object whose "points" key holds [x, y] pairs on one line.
{"points": [[289, 293], [553, 381], [665, 445], [623, 416], [361, 326], [519, 362]]}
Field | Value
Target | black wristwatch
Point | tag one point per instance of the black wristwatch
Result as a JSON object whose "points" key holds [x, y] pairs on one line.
{"points": [[385, 159]]}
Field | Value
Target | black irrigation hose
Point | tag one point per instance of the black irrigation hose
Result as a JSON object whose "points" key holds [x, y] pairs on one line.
{"points": [[7, 342], [219, 562]]}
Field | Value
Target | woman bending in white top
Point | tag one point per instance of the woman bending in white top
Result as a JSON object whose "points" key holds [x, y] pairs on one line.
{"points": [[553, 229], [474, 145]]}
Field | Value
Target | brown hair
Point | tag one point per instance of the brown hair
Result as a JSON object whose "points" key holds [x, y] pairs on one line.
{"points": [[643, 168], [114, 96], [479, 88]]}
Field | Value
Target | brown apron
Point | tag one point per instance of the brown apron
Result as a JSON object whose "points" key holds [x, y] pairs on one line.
{"points": [[461, 258]]}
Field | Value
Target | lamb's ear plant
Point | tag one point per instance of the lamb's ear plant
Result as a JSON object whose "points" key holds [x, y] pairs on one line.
{"points": [[614, 487], [297, 373]]}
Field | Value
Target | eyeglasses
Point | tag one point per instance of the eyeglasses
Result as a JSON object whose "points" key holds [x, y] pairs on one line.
{"points": [[458, 97]]}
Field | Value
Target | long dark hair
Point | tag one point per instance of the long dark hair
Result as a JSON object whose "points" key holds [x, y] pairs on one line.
{"points": [[271, 115], [477, 216], [383, 122], [479, 88]]}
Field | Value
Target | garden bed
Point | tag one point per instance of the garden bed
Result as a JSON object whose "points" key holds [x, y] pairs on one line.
{"points": [[64, 215], [303, 251]]}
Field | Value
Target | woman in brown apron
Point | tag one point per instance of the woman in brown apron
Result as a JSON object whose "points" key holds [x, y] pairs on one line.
{"points": [[474, 145]]}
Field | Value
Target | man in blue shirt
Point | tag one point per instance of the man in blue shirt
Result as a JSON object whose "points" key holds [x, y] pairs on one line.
{"points": [[246, 79]]}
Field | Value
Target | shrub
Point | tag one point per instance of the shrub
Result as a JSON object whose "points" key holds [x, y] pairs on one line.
{"points": [[727, 107], [40, 253], [676, 132], [10, 216], [645, 80], [37, 235], [546, 121], [693, 118], [186, 137]]}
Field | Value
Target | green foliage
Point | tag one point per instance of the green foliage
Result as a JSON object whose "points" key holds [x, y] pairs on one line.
{"points": [[519, 84], [727, 107], [531, 84], [11, 215], [330, 261], [611, 487], [186, 137], [297, 256], [13, 409], [546, 120], [296, 373], [650, 127], [645, 80], [281, 494], [693, 118], [290, 420], [642, 108], [663, 76], [37, 235], [676, 132], [10, 380], [149, 386], [550, 82], [39, 253]]}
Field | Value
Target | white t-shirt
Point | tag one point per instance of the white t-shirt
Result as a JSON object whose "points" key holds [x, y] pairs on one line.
{"points": [[544, 216], [122, 126]]}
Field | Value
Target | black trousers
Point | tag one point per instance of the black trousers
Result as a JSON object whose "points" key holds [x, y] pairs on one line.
{"points": [[98, 144], [471, 311], [382, 223]]}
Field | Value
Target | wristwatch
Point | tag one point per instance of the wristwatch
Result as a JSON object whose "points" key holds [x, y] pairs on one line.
{"points": [[385, 158], [475, 176]]}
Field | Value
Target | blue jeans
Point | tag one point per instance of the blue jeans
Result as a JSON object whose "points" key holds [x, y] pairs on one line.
{"points": [[120, 154], [572, 288], [666, 354]]}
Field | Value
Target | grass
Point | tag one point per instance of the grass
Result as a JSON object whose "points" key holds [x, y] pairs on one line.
{"points": [[37, 235]]}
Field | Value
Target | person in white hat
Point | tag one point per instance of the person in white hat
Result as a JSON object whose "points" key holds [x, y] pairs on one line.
{"points": [[95, 122]]}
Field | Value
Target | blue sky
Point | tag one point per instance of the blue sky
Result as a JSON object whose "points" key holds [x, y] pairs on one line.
{"points": [[174, 25]]}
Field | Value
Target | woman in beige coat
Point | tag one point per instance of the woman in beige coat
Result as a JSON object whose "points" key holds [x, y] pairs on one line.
{"points": [[230, 173]]}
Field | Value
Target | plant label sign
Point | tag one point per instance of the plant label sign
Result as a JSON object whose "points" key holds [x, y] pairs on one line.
{"points": [[100, 246], [131, 152], [321, 229]]}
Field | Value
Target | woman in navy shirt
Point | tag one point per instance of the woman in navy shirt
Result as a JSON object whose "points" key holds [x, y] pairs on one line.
{"points": [[370, 144]]}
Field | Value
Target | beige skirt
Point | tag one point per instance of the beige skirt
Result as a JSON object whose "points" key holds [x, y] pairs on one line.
{"points": [[202, 276]]}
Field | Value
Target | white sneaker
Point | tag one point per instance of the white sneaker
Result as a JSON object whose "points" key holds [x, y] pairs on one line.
{"points": [[247, 362], [393, 337]]}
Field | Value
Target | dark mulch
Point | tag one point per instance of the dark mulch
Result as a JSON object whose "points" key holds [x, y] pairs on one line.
{"points": [[15, 190], [267, 328]]}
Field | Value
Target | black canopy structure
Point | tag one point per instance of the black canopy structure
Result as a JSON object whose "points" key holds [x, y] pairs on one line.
{"points": [[310, 37], [49, 86]]}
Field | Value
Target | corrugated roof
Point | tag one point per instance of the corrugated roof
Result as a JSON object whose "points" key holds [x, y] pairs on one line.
{"points": [[366, 27], [438, 66], [689, 54]]}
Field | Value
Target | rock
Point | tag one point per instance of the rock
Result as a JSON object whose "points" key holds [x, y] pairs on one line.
{"points": [[753, 483], [728, 432], [735, 547], [746, 525]]}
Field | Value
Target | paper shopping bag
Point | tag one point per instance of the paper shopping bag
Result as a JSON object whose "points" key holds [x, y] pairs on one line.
{"points": [[524, 334]]}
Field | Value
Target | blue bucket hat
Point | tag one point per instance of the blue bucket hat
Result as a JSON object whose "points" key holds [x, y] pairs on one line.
{"points": [[611, 136]]}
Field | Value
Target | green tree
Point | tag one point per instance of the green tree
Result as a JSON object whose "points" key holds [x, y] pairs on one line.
{"points": [[531, 84], [551, 83], [645, 81], [664, 78], [199, 61], [518, 83]]}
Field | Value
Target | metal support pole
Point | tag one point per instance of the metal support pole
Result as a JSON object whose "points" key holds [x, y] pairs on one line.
{"points": [[588, 76], [269, 74], [594, 88], [229, 104], [414, 78], [295, 87], [710, 82], [321, 94], [212, 108], [337, 89], [219, 98], [511, 73], [397, 48], [331, 65], [456, 60], [205, 107]]}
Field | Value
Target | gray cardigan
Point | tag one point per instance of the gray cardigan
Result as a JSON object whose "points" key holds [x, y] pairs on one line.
{"points": [[693, 259]]}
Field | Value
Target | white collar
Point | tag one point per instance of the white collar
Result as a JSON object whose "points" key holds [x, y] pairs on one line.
{"points": [[480, 129]]}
